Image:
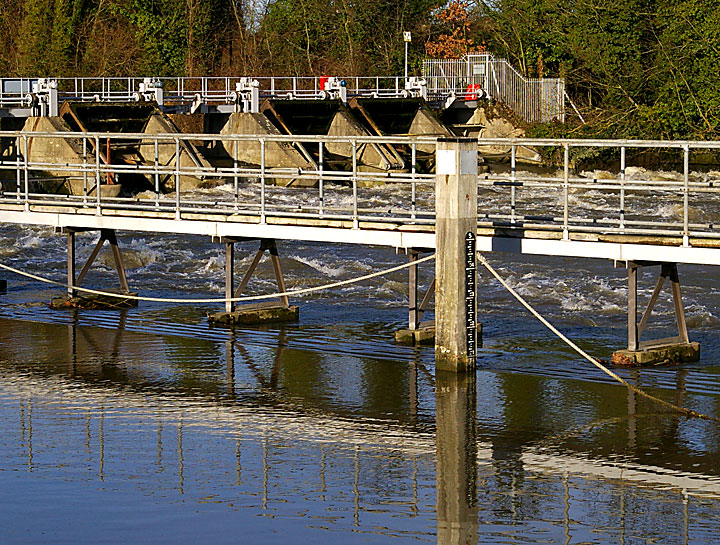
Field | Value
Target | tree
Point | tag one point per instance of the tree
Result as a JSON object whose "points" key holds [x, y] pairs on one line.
{"points": [[454, 40]]}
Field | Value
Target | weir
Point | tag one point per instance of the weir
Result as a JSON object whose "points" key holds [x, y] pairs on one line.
{"points": [[454, 212]]}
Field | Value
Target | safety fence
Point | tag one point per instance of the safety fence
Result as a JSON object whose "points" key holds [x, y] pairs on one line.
{"points": [[536, 100]]}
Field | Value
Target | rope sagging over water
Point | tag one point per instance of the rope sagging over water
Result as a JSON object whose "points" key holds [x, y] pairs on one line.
{"points": [[289, 293], [687, 412]]}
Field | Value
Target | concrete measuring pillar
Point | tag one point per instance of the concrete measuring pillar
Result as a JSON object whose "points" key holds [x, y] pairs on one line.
{"points": [[455, 263]]}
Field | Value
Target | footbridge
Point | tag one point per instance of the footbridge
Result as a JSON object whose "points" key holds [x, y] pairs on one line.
{"points": [[626, 214]]}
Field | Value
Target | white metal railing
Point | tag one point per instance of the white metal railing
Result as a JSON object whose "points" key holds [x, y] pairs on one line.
{"points": [[679, 203], [31, 177], [682, 204], [186, 90], [483, 75]]}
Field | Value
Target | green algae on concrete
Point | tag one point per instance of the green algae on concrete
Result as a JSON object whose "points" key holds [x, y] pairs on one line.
{"points": [[425, 335], [659, 355], [94, 302], [253, 315]]}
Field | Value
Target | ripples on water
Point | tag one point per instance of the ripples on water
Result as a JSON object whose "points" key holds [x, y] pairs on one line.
{"points": [[149, 426]]}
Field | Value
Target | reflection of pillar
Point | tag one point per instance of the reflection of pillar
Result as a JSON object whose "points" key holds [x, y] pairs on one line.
{"points": [[413, 390], [230, 368], [622, 512], [456, 441], [686, 518], [238, 462], [181, 463], [101, 443], [566, 508], [356, 487], [29, 436], [159, 444], [72, 345], [264, 470], [323, 487], [632, 412]]}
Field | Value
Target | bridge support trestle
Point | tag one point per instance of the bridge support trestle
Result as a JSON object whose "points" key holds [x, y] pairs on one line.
{"points": [[279, 310], [93, 301], [417, 332], [675, 349]]}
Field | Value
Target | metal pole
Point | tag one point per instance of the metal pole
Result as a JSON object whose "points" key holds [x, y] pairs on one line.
{"points": [[27, 173], [177, 178], [356, 223], [566, 189], [632, 307], [414, 184], [19, 169], [622, 187], [513, 179], [229, 275], [406, 61], [97, 177], [85, 173], [157, 173], [414, 314], [235, 172], [71, 264], [262, 180], [686, 195], [321, 188]]}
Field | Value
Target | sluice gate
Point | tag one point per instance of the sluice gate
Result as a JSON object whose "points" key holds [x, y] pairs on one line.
{"points": [[454, 212]]}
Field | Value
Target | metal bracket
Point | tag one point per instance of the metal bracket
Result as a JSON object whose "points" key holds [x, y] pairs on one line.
{"points": [[635, 329], [266, 244], [415, 311], [105, 235]]}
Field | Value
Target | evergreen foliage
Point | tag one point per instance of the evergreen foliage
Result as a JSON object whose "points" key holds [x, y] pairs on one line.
{"points": [[635, 68]]}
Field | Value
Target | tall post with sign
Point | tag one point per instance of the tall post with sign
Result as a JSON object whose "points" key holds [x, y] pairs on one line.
{"points": [[455, 271], [407, 38]]}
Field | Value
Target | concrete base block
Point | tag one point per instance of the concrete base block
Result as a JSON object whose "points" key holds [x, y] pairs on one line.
{"points": [[658, 355], [425, 335], [94, 302], [254, 314]]}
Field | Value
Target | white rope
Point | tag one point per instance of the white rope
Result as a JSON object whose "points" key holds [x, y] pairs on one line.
{"points": [[224, 300], [596, 363]]}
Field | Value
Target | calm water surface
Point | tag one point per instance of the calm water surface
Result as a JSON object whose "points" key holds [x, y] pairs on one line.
{"points": [[148, 426]]}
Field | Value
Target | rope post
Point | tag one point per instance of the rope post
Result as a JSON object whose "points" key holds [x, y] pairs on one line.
{"points": [[455, 233]]}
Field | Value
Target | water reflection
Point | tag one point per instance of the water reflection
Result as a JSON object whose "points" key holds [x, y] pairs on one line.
{"points": [[457, 460], [351, 445]]}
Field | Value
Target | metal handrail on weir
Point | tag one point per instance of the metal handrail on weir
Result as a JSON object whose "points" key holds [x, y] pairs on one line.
{"points": [[682, 204], [184, 90]]}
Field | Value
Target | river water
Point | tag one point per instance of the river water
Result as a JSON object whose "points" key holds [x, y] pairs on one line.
{"points": [[149, 426]]}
